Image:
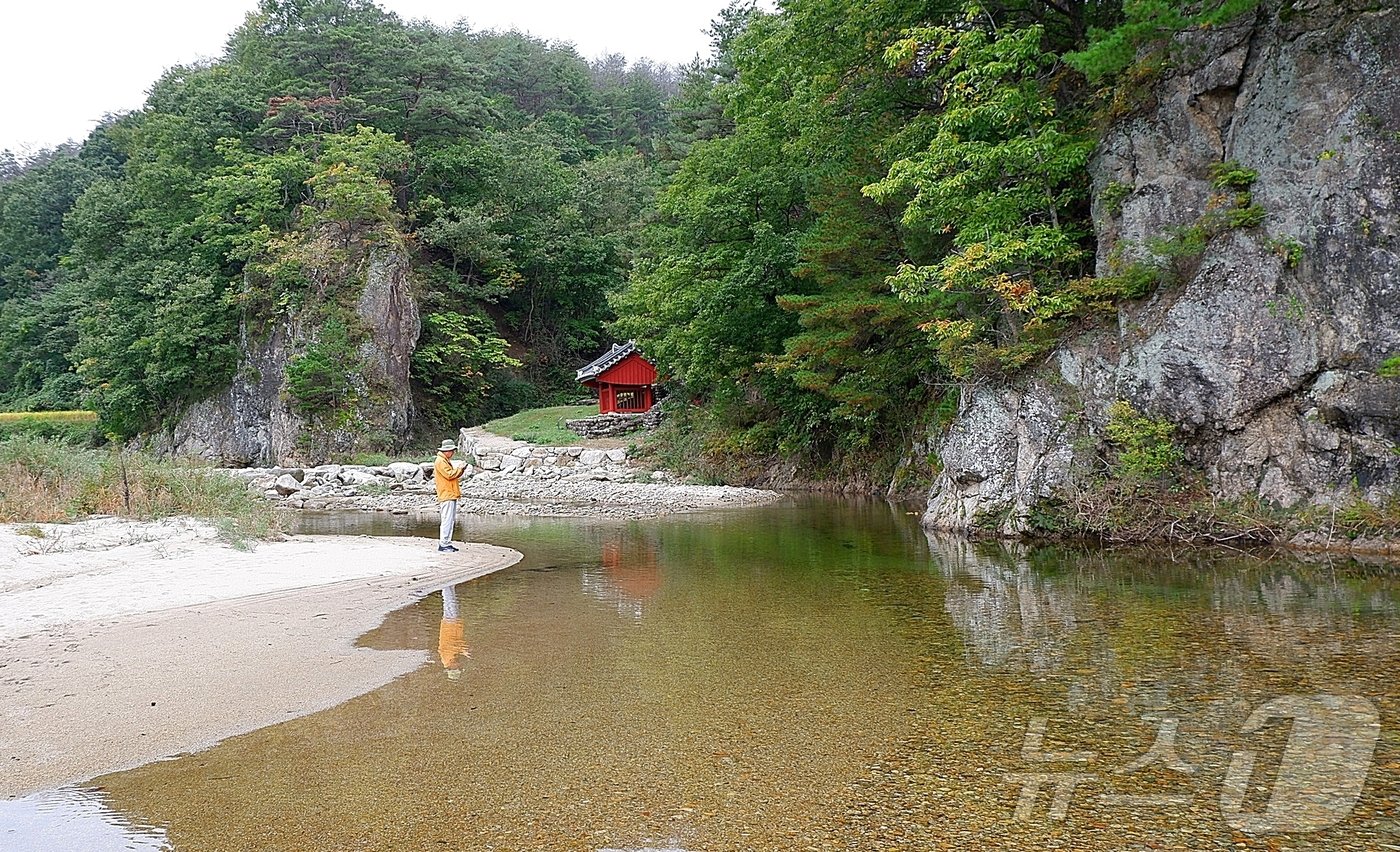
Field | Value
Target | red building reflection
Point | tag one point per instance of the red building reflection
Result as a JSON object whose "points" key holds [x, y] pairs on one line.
{"points": [[627, 578]]}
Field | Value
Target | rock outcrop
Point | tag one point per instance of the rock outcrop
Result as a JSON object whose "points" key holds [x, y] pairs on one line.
{"points": [[1267, 356], [254, 422]]}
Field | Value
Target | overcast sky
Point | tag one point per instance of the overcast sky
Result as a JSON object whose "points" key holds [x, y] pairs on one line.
{"points": [[65, 63]]}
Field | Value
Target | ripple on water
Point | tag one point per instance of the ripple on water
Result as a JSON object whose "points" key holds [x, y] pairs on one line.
{"points": [[74, 818]]}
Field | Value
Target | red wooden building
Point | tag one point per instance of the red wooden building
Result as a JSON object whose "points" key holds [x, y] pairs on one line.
{"points": [[625, 381]]}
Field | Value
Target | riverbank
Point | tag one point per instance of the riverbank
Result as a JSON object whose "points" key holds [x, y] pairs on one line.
{"points": [[503, 478], [123, 641]]}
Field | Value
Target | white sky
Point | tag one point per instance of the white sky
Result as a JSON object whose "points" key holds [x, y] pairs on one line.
{"points": [[65, 63]]}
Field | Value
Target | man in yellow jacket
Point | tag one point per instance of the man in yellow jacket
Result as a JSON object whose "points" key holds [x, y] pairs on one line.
{"points": [[447, 476]]}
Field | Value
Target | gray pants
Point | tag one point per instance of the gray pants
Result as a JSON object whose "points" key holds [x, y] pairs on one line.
{"points": [[448, 510]]}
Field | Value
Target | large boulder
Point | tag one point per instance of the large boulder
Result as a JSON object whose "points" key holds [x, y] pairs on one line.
{"points": [[405, 471], [286, 484], [358, 476]]}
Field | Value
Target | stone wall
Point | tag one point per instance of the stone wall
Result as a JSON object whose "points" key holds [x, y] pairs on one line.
{"points": [[298, 485], [612, 425], [1268, 370]]}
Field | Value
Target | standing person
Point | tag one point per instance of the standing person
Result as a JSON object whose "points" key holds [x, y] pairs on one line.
{"points": [[447, 476]]}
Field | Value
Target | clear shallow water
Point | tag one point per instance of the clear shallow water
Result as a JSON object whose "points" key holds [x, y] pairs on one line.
{"points": [[822, 675]]}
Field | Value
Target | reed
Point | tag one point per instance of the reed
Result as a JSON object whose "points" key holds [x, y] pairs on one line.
{"points": [[46, 480]]}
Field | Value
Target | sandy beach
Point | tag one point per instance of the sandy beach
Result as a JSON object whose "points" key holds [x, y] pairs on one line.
{"points": [[122, 642]]}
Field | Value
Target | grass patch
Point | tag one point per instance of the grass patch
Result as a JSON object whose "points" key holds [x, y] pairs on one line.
{"points": [[78, 428], [1356, 519], [45, 480], [542, 425], [49, 416]]}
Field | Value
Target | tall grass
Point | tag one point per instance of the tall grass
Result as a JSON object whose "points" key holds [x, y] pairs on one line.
{"points": [[46, 480]]}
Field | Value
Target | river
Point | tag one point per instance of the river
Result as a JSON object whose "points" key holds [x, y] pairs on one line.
{"points": [[816, 675]]}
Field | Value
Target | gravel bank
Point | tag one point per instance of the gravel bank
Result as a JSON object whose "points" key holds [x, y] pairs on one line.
{"points": [[514, 479]]}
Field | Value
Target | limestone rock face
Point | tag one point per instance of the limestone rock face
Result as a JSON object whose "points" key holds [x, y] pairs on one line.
{"points": [[253, 421], [1269, 369], [1006, 451]]}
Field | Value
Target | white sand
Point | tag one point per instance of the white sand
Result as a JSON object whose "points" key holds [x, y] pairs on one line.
{"points": [[122, 642]]}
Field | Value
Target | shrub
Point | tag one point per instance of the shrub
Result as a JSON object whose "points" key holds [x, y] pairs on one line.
{"points": [[1231, 175], [1145, 448], [318, 380]]}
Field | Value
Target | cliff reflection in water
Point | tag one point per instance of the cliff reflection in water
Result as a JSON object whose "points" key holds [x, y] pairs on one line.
{"points": [[1010, 616]]}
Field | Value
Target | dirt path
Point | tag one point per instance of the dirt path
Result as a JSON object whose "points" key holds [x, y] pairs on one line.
{"points": [[498, 442]]}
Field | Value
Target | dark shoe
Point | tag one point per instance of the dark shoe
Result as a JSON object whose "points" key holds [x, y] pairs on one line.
{"points": [[446, 547]]}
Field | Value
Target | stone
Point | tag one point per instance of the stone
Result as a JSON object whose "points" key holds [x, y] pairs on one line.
{"points": [[358, 476], [286, 484], [592, 458], [466, 444], [511, 463], [405, 470], [490, 461], [618, 455], [606, 425]]}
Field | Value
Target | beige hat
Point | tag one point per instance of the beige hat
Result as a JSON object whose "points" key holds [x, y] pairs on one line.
{"points": [[447, 445]]}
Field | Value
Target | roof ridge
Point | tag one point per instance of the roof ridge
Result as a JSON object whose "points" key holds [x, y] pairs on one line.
{"points": [[615, 353]]}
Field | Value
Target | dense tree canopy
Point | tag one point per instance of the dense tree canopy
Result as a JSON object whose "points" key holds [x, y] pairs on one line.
{"points": [[815, 231]]}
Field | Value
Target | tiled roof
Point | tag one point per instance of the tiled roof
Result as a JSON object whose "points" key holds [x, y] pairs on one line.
{"points": [[609, 358]]}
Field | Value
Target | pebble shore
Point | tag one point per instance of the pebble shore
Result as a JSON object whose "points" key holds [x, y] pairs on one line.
{"points": [[524, 480]]}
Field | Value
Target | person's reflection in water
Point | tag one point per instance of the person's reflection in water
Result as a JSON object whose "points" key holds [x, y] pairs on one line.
{"points": [[452, 637]]}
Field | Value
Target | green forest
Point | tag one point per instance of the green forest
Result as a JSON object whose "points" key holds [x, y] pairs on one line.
{"points": [[816, 231]]}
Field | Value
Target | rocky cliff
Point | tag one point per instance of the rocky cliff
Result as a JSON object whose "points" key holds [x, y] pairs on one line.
{"points": [[1267, 354], [254, 421]]}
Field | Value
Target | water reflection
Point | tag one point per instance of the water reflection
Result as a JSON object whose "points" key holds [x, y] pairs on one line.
{"points": [[452, 637], [1010, 615], [1182, 699], [823, 676], [627, 575], [74, 818]]}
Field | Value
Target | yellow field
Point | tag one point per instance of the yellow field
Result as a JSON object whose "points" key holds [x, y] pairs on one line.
{"points": [[49, 416]]}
